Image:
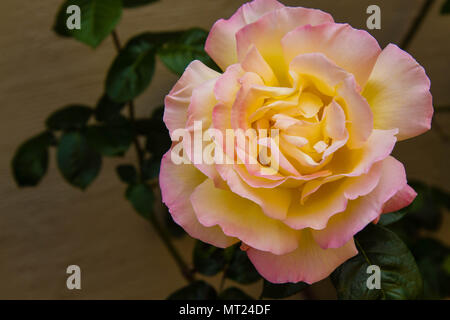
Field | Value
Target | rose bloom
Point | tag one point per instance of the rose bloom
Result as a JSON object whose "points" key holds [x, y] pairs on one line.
{"points": [[340, 104]]}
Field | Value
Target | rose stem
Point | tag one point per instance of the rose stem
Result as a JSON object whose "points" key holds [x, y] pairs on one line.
{"points": [[162, 233]]}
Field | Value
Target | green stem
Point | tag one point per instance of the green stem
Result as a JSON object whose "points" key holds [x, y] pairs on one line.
{"points": [[415, 26], [222, 281], [187, 272], [137, 145]]}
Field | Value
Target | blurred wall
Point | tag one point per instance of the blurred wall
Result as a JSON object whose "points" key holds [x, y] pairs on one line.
{"points": [[45, 229]]}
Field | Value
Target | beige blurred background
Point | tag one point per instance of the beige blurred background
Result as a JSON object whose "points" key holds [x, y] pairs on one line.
{"points": [[45, 229]]}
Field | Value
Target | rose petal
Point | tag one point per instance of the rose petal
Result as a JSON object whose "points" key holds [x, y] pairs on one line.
{"points": [[266, 34], [254, 62], [221, 42], [274, 202], [403, 198], [335, 121], [308, 263], [179, 98], [363, 210], [398, 92], [353, 163], [241, 218], [325, 73], [330, 200], [359, 114], [355, 51], [177, 183]]}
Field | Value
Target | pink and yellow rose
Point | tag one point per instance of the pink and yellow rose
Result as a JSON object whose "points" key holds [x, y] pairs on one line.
{"points": [[340, 104]]}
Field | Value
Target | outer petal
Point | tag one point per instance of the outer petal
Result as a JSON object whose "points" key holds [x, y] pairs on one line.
{"points": [[309, 263], [266, 34], [177, 183], [179, 98], [199, 119], [399, 93], [242, 218], [355, 51], [221, 42], [362, 211], [401, 199]]}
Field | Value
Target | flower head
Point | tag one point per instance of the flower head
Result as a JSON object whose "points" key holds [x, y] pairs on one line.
{"points": [[327, 106]]}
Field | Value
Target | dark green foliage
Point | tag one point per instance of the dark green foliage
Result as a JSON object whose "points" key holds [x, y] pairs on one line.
{"points": [[280, 291], [241, 269], [392, 217], [59, 25], [188, 46], [72, 117], [107, 110], [425, 211], [98, 20], [77, 161], [208, 260], [136, 3], [127, 173], [198, 290], [234, 293], [142, 199], [158, 137], [400, 276], [30, 161], [132, 70], [445, 9], [174, 229], [431, 256], [111, 139], [150, 169]]}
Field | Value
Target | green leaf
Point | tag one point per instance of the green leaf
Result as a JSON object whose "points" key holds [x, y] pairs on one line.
{"points": [[198, 290], [424, 210], [98, 20], [112, 138], [280, 291], [234, 293], [441, 197], [141, 197], [107, 109], [144, 126], [179, 52], [446, 265], [400, 276], [241, 269], [158, 143], [174, 229], [136, 3], [150, 169], [430, 255], [60, 26], [208, 260], [158, 137], [30, 161], [78, 163], [127, 173], [132, 70], [445, 9], [392, 217], [70, 117]]}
